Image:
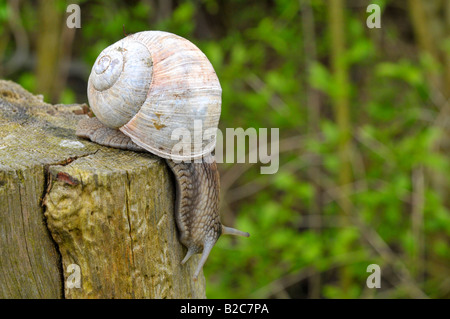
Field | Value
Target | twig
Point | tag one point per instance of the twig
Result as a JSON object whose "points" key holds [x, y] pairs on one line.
{"points": [[417, 221], [276, 102], [374, 145]]}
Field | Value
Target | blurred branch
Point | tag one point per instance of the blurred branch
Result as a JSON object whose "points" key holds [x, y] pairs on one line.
{"points": [[313, 103], [165, 8], [276, 102], [48, 44], [340, 101], [443, 118], [374, 145], [431, 31], [357, 164], [21, 53], [417, 222], [421, 27], [67, 38]]}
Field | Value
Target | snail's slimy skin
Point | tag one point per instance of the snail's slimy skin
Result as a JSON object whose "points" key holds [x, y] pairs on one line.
{"points": [[197, 192]]}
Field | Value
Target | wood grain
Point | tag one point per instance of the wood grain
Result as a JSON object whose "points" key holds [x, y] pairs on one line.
{"points": [[64, 201]]}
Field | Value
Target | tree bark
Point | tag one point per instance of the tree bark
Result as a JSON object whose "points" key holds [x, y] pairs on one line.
{"points": [[68, 204]]}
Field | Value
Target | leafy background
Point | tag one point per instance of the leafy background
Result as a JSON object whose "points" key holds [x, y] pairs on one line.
{"points": [[364, 131]]}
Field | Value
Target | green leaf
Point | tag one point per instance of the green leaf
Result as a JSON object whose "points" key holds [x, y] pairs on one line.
{"points": [[320, 78]]}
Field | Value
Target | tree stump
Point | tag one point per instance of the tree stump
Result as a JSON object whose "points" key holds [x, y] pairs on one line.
{"points": [[78, 220]]}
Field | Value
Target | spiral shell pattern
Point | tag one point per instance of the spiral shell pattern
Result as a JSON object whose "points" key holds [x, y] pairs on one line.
{"points": [[154, 86]]}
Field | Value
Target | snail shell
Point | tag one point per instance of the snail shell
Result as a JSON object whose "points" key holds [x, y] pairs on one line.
{"points": [[147, 86], [151, 83]]}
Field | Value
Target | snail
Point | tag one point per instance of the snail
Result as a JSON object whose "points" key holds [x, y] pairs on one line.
{"points": [[142, 89]]}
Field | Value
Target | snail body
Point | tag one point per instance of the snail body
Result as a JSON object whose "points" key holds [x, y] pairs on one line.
{"points": [[142, 89]]}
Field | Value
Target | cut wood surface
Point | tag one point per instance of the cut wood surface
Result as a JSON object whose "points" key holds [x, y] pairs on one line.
{"points": [[67, 204]]}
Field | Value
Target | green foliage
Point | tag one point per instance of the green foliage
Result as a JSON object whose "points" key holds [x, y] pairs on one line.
{"points": [[4, 14]]}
